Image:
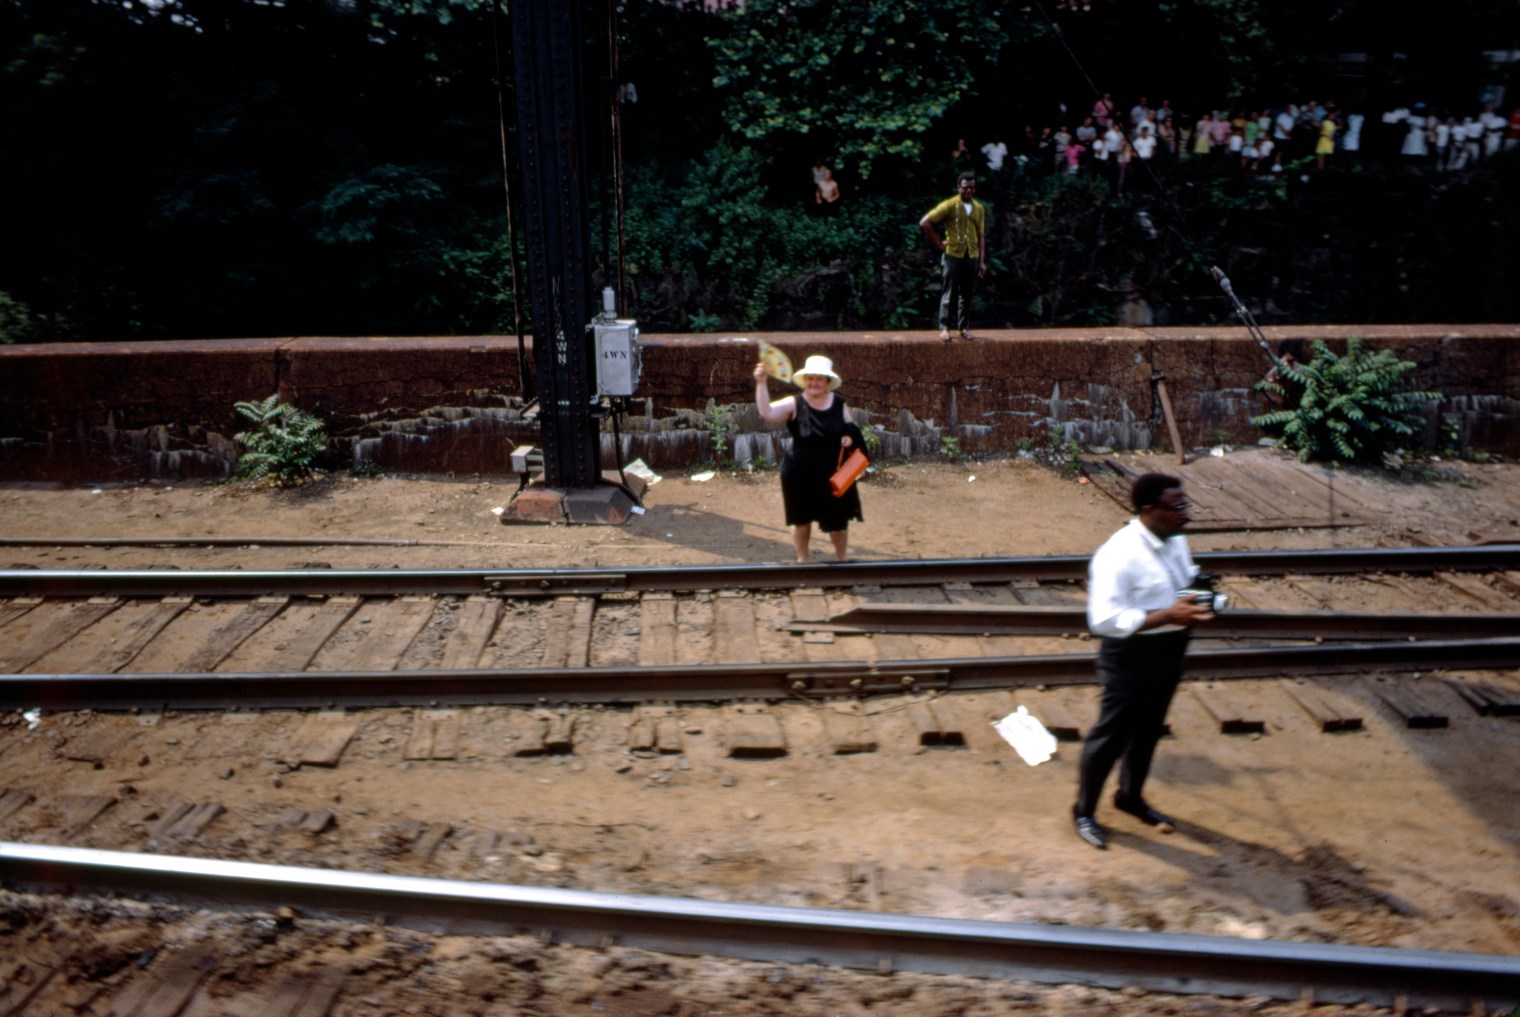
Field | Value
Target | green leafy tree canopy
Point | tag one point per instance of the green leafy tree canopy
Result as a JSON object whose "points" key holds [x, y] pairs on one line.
{"points": [[871, 76]]}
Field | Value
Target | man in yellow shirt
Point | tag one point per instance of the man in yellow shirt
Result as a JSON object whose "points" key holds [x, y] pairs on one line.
{"points": [[964, 249]]}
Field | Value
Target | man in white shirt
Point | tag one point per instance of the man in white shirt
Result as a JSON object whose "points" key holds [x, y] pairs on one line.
{"points": [[1282, 126], [996, 152], [1139, 603], [1493, 129]]}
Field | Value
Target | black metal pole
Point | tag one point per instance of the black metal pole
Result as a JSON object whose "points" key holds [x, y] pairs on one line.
{"points": [[548, 50]]}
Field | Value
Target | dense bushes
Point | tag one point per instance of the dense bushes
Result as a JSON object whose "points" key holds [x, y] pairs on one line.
{"points": [[1067, 251]]}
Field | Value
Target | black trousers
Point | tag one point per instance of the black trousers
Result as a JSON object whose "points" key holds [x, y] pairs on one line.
{"points": [[959, 280], [1140, 676]]}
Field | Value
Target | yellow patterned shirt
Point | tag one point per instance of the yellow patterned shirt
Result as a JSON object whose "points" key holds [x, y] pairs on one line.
{"points": [[963, 233]]}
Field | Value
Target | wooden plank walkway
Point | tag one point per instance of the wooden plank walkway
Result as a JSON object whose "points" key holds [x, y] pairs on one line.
{"points": [[1249, 489]]}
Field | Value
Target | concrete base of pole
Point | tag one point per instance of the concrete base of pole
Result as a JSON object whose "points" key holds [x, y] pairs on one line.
{"points": [[610, 503]]}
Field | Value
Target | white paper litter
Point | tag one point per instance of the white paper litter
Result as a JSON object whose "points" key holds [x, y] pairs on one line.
{"points": [[1027, 736], [33, 717], [498, 510], [641, 469], [1217, 451], [703, 478]]}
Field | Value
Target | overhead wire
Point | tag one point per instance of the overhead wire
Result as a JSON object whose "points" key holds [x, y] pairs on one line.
{"points": [[527, 383], [617, 147], [619, 404]]}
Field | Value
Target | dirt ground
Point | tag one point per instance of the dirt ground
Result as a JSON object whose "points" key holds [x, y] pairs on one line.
{"points": [[929, 509], [1425, 854]]}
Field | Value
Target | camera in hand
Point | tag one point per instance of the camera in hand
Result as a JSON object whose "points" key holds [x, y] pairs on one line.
{"points": [[1202, 591]]}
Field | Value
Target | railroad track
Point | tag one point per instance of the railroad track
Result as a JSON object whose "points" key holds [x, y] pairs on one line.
{"points": [[599, 667], [190, 639], [882, 943]]}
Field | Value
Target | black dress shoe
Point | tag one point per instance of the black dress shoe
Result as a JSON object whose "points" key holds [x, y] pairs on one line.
{"points": [[1140, 810], [1089, 830]]}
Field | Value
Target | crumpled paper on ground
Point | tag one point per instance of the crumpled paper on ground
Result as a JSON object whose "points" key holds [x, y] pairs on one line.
{"points": [[1027, 736], [640, 469]]}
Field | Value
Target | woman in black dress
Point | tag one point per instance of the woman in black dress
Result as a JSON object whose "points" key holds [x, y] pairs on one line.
{"points": [[821, 427]]}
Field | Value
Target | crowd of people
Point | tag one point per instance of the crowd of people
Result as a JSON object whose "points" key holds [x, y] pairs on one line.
{"points": [[1109, 139], [1445, 143]]}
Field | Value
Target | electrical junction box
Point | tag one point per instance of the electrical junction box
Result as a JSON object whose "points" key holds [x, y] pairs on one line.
{"points": [[618, 364]]}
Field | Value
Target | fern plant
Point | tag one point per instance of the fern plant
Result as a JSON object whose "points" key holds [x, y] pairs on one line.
{"points": [[284, 444], [1350, 408]]}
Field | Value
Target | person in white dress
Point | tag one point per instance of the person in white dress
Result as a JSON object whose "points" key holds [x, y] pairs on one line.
{"points": [[1416, 145]]}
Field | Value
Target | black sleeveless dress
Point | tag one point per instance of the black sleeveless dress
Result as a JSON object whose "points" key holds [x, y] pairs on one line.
{"points": [[808, 464]]}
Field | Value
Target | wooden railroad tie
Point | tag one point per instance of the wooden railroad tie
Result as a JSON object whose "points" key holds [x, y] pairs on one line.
{"points": [[484, 844], [568, 641], [319, 821], [186, 820], [424, 838], [307, 993], [1490, 699], [13, 801], [1052, 711], [166, 987], [52, 631], [1330, 713], [1232, 716], [321, 739], [1415, 706], [435, 735], [656, 727], [734, 636], [936, 726], [235, 734], [847, 731], [753, 732], [657, 629], [221, 641], [79, 812]]}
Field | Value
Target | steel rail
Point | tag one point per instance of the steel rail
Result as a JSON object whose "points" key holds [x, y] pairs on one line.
{"points": [[695, 682], [1163, 962], [233, 542], [1018, 620], [550, 582]]}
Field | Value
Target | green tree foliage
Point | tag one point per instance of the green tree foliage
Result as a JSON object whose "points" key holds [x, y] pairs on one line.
{"points": [[208, 168], [15, 320], [868, 78], [712, 240], [230, 167], [1349, 408]]}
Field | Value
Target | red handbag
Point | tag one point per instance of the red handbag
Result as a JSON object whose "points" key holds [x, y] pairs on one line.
{"points": [[848, 472]]}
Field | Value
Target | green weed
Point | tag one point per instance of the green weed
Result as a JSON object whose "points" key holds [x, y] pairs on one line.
{"points": [[284, 444]]}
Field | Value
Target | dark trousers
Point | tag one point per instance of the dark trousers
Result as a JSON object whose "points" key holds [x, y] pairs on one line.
{"points": [[959, 279], [1140, 676]]}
